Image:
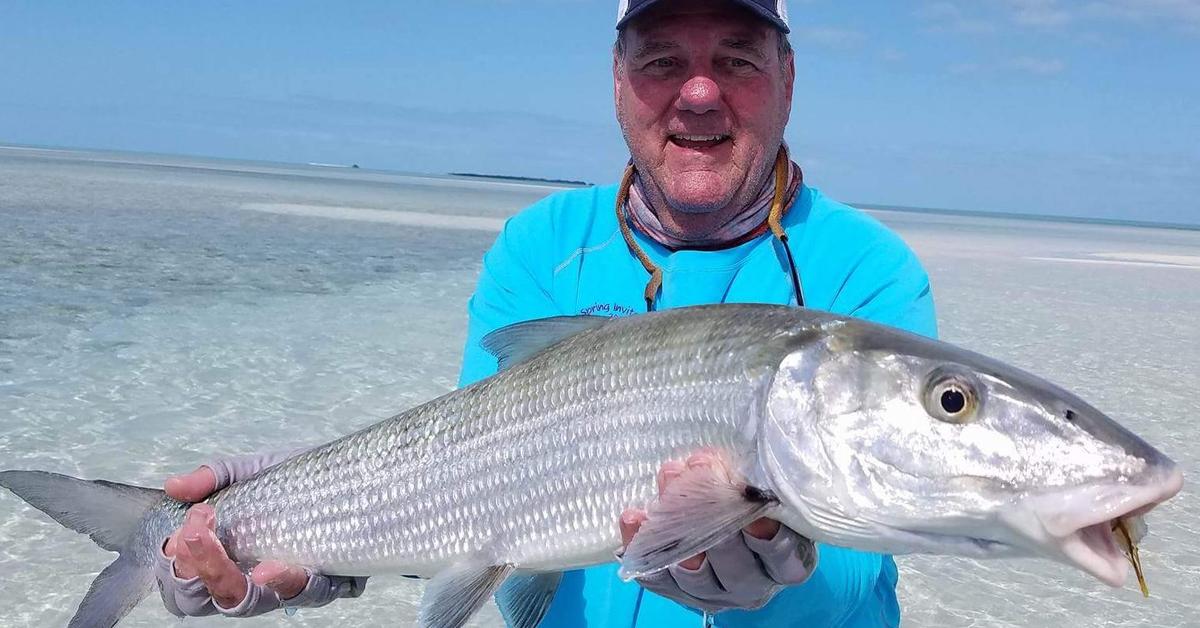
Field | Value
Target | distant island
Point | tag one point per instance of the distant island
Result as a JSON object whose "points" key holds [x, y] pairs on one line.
{"points": [[503, 177]]}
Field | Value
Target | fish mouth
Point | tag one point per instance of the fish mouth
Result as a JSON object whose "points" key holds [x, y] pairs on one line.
{"points": [[1089, 527]]}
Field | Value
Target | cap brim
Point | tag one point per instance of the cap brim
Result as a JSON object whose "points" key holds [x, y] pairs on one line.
{"points": [[756, 8]]}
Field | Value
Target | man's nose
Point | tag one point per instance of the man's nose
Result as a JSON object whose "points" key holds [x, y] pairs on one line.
{"points": [[699, 94]]}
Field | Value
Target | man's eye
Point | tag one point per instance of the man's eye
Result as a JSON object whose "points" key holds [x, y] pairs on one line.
{"points": [[662, 64], [740, 63]]}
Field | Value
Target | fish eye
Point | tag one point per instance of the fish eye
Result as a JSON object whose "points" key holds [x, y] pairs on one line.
{"points": [[951, 398]]}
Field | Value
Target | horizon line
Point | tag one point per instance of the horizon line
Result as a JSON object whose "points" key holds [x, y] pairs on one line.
{"points": [[559, 183]]}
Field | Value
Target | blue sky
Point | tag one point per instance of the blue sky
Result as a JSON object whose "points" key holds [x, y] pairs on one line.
{"points": [[1072, 107]]}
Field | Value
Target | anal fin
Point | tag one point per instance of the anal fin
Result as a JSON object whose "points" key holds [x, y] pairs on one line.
{"points": [[453, 596], [525, 597], [698, 510]]}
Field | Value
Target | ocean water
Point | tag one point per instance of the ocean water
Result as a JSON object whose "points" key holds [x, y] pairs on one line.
{"points": [[155, 311]]}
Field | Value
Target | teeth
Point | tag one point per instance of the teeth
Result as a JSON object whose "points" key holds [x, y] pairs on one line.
{"points": [[699, 138]]}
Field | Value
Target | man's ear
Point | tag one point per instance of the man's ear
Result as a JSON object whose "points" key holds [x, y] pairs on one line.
{"points": [[789, 77], [616, 72]]}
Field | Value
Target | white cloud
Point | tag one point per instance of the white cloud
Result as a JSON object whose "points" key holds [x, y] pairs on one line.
{"points": [[949, 16], [965, 68], [1035, 65], [828, 36], [986, 16], [1037, 12], [1183, 12]]}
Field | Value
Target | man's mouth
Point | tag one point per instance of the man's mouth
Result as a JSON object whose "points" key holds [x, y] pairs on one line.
{"points": [[697, 141]]}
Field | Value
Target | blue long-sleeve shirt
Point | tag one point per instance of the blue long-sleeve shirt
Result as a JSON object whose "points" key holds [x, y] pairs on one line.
{"points": [[565, 255]]}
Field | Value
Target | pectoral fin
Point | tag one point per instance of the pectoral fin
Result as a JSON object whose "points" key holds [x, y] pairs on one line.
{"points": [[456, 594], [700, 509]]}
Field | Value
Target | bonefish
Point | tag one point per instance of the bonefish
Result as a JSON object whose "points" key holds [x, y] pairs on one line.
{"points": [[851, 433]]}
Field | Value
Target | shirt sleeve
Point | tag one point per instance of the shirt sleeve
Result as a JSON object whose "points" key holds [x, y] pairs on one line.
{"points": [[848, 589], [511, 289], [888, 285]]}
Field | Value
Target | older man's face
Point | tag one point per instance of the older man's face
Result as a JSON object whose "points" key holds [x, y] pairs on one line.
{"points": [[703, 96]]}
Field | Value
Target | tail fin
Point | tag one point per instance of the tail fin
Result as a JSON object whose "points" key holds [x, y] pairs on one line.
{"points": [[113, 594], [110, 514]]}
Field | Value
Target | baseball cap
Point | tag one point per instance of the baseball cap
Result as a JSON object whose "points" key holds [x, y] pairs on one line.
{"points": [[774, 11]]}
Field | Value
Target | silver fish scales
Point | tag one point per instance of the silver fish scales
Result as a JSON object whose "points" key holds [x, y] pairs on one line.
{"points": [[529, 467]]}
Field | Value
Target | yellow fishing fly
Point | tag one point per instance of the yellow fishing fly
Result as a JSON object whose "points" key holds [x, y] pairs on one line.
{"points": [[1131, 552]]}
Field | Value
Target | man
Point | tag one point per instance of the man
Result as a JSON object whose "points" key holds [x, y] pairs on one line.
{"points": [[711, 209]]}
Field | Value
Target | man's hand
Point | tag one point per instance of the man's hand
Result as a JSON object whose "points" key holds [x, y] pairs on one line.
{"points": [[196, 576], [198, 552], [744, 571]]}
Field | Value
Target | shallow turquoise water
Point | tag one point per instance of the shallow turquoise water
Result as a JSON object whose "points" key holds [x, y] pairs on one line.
{"points": [[154, 311]]}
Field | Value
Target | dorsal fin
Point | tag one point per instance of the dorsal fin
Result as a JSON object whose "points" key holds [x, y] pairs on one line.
{"points": [[518, 342]]}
